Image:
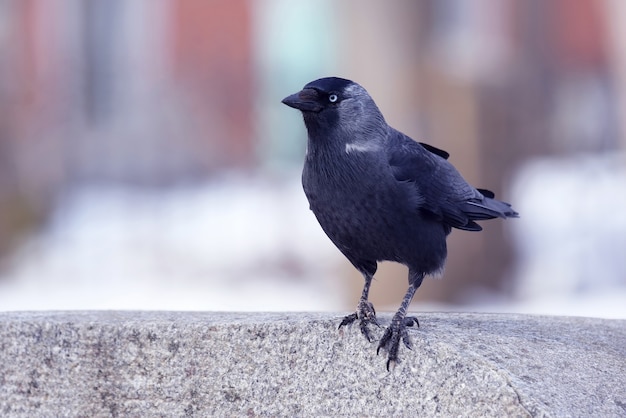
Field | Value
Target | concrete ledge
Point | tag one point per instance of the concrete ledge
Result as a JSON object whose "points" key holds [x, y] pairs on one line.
{"points": [[220, 364]]}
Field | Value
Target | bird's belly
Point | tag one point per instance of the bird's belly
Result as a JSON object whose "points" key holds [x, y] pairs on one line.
{"points": [[376, 226]]}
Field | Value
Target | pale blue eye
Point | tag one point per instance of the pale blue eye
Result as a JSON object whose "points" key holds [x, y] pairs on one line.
{"points": [[333, 98]]}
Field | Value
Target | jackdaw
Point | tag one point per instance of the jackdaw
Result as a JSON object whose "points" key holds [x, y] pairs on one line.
{"points": [[379, 195]]}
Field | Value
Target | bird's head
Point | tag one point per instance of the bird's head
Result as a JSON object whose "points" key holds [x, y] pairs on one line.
{"points": [[332, 104]]}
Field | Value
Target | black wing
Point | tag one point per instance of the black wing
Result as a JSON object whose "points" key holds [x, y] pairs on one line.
{"points": [[443, 154], [441, 190]]}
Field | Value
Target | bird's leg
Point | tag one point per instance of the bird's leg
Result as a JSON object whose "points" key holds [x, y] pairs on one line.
{"points": [[365, 312], [397, 330]]}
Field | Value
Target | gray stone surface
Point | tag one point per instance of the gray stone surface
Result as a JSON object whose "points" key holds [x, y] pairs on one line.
{"points": [[92, 364]]}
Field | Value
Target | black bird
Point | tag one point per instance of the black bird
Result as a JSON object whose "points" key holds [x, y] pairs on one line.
{"points": [[379, 195]]}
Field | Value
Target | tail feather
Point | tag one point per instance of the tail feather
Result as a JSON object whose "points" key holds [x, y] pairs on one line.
{"points": [[488, 208], [481, 207]]}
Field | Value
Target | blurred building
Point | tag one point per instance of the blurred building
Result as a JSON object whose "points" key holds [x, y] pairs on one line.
{"points": [[111, 91]]}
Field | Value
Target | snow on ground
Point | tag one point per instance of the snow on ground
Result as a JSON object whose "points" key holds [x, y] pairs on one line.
{"points": [[238, 244], [571, 236]]}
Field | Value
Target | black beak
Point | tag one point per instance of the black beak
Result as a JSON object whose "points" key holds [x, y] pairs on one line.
{"points": [[305, 101]]}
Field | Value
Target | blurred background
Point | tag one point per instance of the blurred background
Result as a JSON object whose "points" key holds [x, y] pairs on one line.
{"points": [[146, 161]]}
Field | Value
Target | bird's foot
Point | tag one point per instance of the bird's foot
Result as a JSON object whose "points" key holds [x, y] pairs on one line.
{"points": [[366, 314], [393, 334]]}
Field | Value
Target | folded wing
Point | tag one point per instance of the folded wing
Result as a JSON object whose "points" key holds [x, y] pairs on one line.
{"points": [[440, 189]]}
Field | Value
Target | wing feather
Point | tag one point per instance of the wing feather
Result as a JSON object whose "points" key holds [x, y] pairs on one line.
{"points": [[441, 190]]}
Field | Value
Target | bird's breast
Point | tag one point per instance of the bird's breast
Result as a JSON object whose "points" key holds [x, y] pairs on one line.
{"points": [[356, 205]]}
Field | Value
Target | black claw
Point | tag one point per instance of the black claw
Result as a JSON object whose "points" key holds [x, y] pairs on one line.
{"points": [[406, 340], [366, 315], [390, 341], [370, 307], [365, 331], [348, 320], [409, 321], [385, 339], [395, 332]]}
